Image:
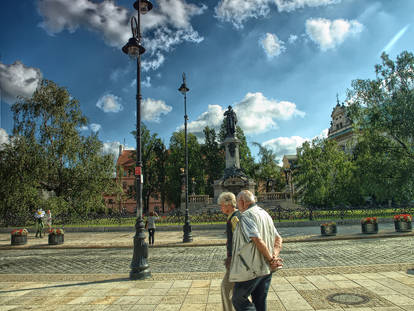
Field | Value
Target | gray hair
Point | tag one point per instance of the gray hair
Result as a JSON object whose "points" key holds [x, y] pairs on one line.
{"points": [[246, 196], [227, 198]]}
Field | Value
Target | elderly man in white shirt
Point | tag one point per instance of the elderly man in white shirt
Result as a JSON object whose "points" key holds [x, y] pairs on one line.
{"points": [[256, 248]]}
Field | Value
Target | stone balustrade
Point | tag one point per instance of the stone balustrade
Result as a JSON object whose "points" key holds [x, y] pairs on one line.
{"points": [[272, 196]]}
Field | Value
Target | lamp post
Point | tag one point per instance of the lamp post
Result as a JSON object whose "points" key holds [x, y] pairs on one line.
{"points": [[139, 265], [187, 227]]}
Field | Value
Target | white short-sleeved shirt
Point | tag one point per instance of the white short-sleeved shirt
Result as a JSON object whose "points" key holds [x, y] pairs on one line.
{"points": [[249, 227]]}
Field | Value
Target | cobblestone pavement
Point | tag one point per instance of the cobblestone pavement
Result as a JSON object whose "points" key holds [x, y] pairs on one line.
{"points": [[205, 259]]}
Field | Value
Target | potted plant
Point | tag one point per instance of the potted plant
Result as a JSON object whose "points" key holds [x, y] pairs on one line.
{"points": [[328, 228], [369, 225], [402, 222], [56, 236], [19, 236]]}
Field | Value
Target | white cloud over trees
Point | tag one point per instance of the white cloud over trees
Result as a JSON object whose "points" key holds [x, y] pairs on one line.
{"points": [[255, 113], [18, 80], [4, 138]]}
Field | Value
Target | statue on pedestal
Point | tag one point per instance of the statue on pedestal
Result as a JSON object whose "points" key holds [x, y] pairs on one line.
{"points": [[231, 121]]}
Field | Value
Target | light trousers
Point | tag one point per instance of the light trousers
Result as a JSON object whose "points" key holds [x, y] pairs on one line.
{"points": [[227, 292]]}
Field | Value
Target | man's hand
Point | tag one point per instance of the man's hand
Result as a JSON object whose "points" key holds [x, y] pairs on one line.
{"points": [[276, 263]]}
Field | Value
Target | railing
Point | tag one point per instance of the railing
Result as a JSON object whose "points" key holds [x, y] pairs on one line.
{"points": [[273, 196], [199, 199]]}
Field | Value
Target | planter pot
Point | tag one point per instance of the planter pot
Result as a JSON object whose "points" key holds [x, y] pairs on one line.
{"points": [[369, 228], [402, 226], [328, 230], [56, 239], [18, 239]]}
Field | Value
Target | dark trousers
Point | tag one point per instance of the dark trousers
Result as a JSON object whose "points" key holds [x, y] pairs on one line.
{"points": [[151, 233], [257, 288]]}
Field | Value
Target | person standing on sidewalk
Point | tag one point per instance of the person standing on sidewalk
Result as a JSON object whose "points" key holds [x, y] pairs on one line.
{"points": [[39, 221], [153, 216], [256, 248], [227, 202]]}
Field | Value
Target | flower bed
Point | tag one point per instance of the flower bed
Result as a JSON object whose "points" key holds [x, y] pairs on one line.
{"points": [[56, 236], [369, 225], [328, 229], [19, 236], [402, 223]]}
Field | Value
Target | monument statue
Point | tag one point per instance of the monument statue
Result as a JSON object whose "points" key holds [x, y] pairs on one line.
{"points": [[231, 121]]}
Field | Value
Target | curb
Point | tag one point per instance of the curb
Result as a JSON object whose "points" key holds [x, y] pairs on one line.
{"points": [[303, 239], [196, 227]]}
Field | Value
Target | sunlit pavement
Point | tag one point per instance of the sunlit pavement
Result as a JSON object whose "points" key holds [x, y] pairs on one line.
{"points": [[90, 272]]}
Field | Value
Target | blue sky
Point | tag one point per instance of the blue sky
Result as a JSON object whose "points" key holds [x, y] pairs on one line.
{"points": [[279, 63]]}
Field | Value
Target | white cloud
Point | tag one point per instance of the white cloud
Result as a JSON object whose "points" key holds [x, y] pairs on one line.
{"points": [[95, 127], [146, 82], [255, 114], [153, 109], [171, 17], [212, 118], [292, 39], [4, 138], [18, 80], [329, 34], [287, 145], [272, 45], [110, 103], [111, 148], [83, 128], [239, 11], [291, 5]]}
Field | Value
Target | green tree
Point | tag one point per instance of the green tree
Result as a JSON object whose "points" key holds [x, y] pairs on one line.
{"points": [[382, 110], [213, 159], [325, 177], [176, 160], [153, 165], [267, 167], [54, 157]]}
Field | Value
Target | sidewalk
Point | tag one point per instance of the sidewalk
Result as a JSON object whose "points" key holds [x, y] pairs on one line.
{"points": [[169, 239], [384, 287], [363, 289]]}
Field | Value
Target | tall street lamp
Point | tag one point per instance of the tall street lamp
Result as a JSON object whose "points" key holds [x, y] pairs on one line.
{"points": [[187, 227], [139, 265]]}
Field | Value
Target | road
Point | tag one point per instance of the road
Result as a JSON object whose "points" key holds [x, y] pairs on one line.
{"points": [[204, 259]]}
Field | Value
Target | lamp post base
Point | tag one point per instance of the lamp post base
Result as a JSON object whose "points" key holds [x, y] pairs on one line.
{"points": [[188, 237], [139, 264]]}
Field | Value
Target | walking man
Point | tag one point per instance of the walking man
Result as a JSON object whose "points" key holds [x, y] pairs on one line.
{"points": [[256, 248], [227, 202]]}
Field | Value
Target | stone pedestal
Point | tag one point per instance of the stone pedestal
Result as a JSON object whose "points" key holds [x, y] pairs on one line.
{"points": [[231, 146]]}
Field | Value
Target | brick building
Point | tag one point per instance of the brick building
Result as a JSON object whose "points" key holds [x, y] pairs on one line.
{"points": [[125, 165]]}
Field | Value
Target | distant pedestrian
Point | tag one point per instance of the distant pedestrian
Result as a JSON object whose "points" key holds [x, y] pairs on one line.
{"points": [[49, 219], [227, 202], [39, 215], [253, 263], [153, 216]]}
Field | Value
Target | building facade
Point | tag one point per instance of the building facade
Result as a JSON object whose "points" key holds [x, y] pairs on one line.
{"points": [[341, 129]]}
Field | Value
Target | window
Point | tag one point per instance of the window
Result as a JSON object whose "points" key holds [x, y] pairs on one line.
{"points": [[124, 185]]}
